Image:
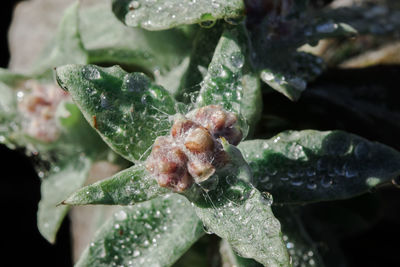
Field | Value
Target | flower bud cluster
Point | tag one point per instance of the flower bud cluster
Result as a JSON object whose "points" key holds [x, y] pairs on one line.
{"points": [[38, 104], [192, 152]]}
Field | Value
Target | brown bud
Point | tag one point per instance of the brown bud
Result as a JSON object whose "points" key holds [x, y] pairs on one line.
{"points": [[167, 162], [181, 126], [200, 170], [199, 141]]}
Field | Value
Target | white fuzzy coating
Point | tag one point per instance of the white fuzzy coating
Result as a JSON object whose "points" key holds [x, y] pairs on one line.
{"points": [[196, 138]]}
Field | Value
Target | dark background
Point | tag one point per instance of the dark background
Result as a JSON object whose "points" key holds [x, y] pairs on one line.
{"points": [[20, 187], [20, 193]]}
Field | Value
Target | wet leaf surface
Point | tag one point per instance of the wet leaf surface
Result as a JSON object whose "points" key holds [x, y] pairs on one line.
{"points": [[152, 233], [310, 166], [160, 15]]}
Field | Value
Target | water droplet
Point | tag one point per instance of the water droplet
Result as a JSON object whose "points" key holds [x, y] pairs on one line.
{"points": [[349, 173], [233, 21], [327, 27], [290, 245], [91, 73], [207, 21], [134, 5], [298, 83], [120, 215], [207, 230], [312, 185], [266, 198], [396, 181], [231, 179], [267, 76], [326, 181], [237, 60], [136, 253], [104, 103], [297, 181], [361, 150], [135, 82]]}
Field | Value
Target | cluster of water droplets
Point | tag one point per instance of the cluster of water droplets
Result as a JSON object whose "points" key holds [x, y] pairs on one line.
{"points": [[242, 215], [325, 171], [301, 256], [155, 14], [136, 232], [278, 80], [223, 83], [136, 112]]}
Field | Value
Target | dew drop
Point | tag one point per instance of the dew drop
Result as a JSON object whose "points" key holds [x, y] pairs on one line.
{"points": [[91, 73], [104, 103], [207, 230], [298, 83], [326, 181], [208, 21], [327, 27], [396, 181], [135, 82], [267, 76], [296, 181], [134, 5], [266, 198], [136, 253], [312, 185], [237, 60], [361, 150], [120, 215]]}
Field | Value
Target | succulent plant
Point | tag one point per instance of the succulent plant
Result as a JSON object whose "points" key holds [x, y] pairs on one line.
{"points": [[175, 102]]}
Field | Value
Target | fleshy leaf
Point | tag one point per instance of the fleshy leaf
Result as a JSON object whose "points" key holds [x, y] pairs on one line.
{"points": [[65, 48], [229, 81], [239, 213], [59, 183], [310, 166], [161, 15], [204, 43], [369, 17], [109, 41], [152, 233], [127, 187], [291, 79], [126, 109]]}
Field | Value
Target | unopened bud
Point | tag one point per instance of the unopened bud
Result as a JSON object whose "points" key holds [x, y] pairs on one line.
{"points": [[199, 141]]}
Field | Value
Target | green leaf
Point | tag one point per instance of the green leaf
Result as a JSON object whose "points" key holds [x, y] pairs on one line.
{"points": [[310, 166], [109, 41], [204, 44], [236, 211], [66, 47], [160, 15], [368, 17], [230, 82], [126, 109], [63, 179], [290, 78], [153, 233], [77, 133], [127, 187]]}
